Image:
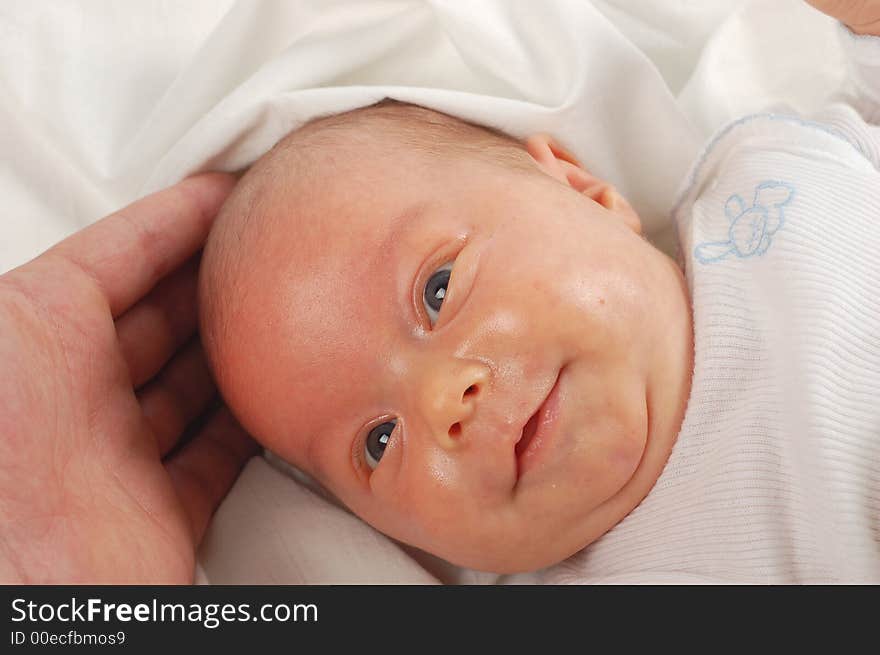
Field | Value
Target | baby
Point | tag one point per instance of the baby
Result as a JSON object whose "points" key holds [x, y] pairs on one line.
{"points": [[466, 339]]}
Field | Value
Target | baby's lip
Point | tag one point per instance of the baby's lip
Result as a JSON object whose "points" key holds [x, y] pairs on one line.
{"points": [[535, 424], [528, 432]]}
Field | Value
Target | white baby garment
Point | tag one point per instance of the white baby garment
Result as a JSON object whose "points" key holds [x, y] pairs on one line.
{"points": [[775, 475]]}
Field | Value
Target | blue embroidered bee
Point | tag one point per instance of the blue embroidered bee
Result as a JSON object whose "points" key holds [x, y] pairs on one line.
{"points": [[751, 228]]}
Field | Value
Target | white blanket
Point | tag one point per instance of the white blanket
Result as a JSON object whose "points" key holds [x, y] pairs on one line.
{"points": [[102, 102]]}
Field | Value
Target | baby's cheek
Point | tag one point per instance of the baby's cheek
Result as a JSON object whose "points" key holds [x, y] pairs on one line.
{"points": [[419, 494], [440, 501], [626, 453], [611, 455]]}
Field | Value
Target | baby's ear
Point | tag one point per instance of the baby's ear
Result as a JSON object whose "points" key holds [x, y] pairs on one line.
{"points": [[559, 163]]}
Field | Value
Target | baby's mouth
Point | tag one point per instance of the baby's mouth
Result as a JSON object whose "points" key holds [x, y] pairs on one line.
{"points": [[528, 432], [538, 430]]}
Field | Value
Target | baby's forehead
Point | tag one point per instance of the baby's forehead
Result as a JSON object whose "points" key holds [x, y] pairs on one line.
{"points": [[346, 210], [352, 216], [329, 244]]}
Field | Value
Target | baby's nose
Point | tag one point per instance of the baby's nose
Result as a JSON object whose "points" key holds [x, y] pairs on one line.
{"points": [[449, 397]]}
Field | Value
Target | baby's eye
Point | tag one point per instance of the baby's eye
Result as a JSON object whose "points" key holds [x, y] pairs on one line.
{"points": [[377, 439], [435, 291]]}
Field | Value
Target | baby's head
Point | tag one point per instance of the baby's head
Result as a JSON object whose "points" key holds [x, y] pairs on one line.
{"points": [[463, 337]]}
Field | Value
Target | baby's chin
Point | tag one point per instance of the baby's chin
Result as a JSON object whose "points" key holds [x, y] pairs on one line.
{"points": [[530, 546], [549, 537]]}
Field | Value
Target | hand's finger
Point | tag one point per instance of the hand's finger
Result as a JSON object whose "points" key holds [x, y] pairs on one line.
{"points": [[177, 396], [152, 330], [127, 252], [204, 470]]}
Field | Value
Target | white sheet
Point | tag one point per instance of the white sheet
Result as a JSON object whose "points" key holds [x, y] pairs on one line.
{"points": [[102, 102]]}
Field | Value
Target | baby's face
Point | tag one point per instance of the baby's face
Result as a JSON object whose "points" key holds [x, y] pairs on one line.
{"points": [[468, 357]]}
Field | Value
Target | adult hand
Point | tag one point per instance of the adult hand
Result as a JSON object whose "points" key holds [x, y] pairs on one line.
{"points": [[101, 375], [861, 16]]}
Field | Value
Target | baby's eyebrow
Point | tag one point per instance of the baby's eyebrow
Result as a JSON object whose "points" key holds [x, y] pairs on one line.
{"points": [[400, 224]]}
